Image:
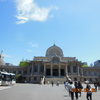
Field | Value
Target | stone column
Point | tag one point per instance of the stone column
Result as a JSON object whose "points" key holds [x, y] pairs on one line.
{"points": [[78, 73], [78, 70], [51, 69], [38, 68], [28, 70], [71, 70], [59, 70], [32, 69], [44, 69], [66, 70]]}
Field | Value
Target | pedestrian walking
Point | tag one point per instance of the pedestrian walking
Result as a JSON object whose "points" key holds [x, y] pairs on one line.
{"points": [[64, 84], [95, 85], [48, 82], [67, 86], [58, 83], [52, 83]]}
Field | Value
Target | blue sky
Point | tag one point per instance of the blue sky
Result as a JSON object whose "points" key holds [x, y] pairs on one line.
{"points": [[29, 27]]}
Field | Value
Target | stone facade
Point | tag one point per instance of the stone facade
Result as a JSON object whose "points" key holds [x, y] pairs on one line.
{"points": [[53, 67]]}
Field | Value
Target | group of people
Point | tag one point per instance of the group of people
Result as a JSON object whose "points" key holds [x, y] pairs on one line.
{"points": [[73, 88], [56, 84], [52, 83], [76, 89]]}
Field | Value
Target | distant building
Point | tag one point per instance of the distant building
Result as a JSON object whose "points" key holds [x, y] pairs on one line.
{"points": [[84, 63], [9, 64], [53, 67], [91, 65], [97, 63]]}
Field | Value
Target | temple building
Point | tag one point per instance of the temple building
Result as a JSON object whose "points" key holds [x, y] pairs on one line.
{"points": [[53, 67]]}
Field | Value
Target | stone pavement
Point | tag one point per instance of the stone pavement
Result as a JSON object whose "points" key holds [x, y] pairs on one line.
{"points": [[40, 92], [60, 93], [4, 87]]}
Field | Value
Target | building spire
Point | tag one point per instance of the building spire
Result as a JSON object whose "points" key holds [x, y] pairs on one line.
{"points": [[54, 42]]}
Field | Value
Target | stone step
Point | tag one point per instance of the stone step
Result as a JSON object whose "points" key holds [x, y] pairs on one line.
{"points": [[55, 80]]}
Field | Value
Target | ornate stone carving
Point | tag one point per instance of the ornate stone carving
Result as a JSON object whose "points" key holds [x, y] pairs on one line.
{"points": [[54, 51]]}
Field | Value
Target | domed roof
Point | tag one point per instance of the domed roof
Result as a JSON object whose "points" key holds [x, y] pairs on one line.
{"points": [[54, 51]]}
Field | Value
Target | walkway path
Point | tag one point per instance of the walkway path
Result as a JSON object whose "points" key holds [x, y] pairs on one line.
{"points": [[39, 92]]}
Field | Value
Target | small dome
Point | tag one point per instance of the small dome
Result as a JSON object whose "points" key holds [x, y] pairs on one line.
{"points": [[54, 51]]}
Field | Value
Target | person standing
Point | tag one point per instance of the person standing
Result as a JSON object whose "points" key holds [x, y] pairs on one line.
{"points": [[99, 86], [64, 84], [76, 90], [44, 82], [80, 87], [71, 87], [89, 92]]}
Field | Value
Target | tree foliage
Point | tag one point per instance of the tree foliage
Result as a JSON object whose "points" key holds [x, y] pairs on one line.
{"points": [[19, 78], [23, 63], [85, 65]]}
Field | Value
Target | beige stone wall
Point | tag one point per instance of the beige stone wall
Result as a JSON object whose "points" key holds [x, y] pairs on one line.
{"points": [[92, 73]]}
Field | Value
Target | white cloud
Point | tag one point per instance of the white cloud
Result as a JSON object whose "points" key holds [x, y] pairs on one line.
{"points": [[8, 56], [30, 51], [28, 10], [33, 45]]}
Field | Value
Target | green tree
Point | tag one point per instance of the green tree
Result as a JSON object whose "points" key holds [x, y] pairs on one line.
{"points": [[23, 63], [19, 78], [85, 65]]}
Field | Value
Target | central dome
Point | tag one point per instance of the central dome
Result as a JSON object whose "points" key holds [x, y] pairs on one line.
{"points": [[54, 51]]}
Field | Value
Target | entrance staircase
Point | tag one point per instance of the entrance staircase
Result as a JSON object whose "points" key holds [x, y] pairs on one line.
{"points": [[55, 79]]}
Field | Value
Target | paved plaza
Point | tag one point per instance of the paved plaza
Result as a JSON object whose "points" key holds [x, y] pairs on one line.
{"points": [[39, 92]]}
